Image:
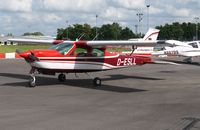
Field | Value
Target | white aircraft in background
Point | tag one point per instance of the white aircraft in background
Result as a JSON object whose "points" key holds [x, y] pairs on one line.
{"points": [[178, 48]]}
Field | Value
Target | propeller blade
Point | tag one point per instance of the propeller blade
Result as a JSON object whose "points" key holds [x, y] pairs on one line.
{"points": [[33, 58], [28, 56]]}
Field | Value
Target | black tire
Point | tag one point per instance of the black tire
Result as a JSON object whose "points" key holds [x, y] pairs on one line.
{"points": [[62, 77], [97, 82], [32, 82]]}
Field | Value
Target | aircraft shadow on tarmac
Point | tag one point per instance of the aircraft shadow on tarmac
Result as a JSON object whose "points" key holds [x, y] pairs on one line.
{"points": [[167, 71], [82, 83], [117, 77]]}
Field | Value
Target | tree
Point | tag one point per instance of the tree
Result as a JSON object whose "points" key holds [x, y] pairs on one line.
{"points": [[177, 31], [110, 31], [126, 33], [106, 32], [33, 34], [74, 32], [60, 32], [9, 35]]}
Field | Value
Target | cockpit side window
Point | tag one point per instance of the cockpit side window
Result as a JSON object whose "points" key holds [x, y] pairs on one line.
{"points": [[62, 48], [97, 53], [194, 45]]}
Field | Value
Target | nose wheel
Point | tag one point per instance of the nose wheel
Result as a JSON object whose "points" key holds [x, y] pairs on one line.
{"points": [[32, 83], [62, 77], [32, 80]]}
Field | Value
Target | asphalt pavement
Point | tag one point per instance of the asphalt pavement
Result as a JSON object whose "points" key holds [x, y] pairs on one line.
{"points": [[148, 97]]}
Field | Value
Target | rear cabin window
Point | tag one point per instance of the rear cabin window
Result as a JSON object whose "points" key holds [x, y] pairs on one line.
{"points": [[97, 53], [83, 52]]}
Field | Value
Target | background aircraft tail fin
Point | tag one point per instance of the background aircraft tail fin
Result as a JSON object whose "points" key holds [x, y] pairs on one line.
{"points": [[151, 35]]}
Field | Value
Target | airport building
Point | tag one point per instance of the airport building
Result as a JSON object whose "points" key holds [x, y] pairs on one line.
{"points": [[4, 40]]}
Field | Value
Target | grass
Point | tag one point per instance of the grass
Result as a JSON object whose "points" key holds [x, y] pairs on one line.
{"points": [[114, 49], [12, 48]]}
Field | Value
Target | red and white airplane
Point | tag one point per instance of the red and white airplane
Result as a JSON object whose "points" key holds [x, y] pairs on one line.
{"points": [[82, 57]]}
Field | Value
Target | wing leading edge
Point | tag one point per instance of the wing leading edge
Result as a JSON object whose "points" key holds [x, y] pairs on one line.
{"points": [[117, 43]]}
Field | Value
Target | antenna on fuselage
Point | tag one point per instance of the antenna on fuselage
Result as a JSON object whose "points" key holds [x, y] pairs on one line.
{"points": [[80, 36]]}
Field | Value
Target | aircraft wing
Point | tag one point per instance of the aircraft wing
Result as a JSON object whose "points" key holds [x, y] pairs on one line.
{"points": [[118, 42], [34, 41], [89, 43]]}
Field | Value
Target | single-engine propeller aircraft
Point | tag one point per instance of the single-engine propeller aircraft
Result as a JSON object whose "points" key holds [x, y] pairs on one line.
{"points": [[177, 48], [83, 57]]}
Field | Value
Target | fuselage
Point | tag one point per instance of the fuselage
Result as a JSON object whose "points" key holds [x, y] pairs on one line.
{"points": [[188, 49]]}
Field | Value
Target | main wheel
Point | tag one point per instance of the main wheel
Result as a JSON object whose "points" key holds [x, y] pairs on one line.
{"points": [[62, 77], [32, 83], [97, 81]]}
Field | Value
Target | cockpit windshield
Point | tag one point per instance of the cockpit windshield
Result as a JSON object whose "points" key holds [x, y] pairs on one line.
{"points": [[62, 48], [193, 44]]}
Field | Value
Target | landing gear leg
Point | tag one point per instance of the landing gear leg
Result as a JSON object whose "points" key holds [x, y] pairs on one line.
{"points": [[96, 80], [32, 80], [62, 77]]}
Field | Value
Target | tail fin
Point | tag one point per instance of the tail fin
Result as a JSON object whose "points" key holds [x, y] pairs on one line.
{"points": [[151, 35], [143, 51]]}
